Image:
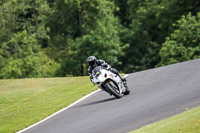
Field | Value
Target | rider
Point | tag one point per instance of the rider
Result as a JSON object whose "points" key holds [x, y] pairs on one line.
{"points": [[93, 62]]}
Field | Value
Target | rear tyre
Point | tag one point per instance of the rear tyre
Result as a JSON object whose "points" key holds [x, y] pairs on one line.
{"points": [[127, 91]]}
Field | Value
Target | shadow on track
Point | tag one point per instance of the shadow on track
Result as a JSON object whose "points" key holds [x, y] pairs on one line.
{"points": [[97, 102]]}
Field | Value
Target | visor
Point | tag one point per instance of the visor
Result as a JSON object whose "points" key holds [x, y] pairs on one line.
{"points": [[91, 63]]}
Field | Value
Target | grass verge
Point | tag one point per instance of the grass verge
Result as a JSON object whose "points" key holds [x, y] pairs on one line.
{"points": [[24, 102], [186, 122]]}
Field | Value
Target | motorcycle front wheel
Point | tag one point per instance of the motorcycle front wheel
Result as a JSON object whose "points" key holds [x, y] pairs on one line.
{"points": [[113, 89]]}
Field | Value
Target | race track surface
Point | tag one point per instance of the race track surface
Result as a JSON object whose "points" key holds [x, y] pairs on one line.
{"points": [[155, 95]]}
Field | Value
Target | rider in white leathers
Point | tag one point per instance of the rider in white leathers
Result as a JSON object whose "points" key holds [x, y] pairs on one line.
{"points": [[93, 62]]}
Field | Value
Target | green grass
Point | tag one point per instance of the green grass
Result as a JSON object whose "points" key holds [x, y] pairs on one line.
{"points": [[186, 122], [24, 102]]}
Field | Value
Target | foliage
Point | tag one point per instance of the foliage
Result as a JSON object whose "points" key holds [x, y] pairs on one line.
{"points": [[151, 23], [184, 42], [94, 20], [94, 42], [22, 58], [19, 15], [128, 34]]}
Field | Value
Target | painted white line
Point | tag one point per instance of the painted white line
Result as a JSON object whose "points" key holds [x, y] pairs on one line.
{"points": [[83, 98], [126, 75]]}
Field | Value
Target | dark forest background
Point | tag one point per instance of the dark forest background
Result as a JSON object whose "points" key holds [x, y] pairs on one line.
{"points": [[48, 38]]}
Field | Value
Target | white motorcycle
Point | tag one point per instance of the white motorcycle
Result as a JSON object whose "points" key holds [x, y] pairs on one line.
{"points": [[109, 82]]}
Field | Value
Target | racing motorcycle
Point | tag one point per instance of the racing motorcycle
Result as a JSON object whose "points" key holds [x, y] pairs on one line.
{"points": [[109, 82]]}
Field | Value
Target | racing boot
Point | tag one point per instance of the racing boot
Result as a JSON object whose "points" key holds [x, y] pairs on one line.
{"points": [[116, 72]]}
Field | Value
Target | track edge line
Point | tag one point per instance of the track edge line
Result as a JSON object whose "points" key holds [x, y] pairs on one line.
{"points": [[83, 98]]}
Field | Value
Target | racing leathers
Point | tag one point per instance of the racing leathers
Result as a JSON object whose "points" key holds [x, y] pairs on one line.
{"points": [[104, 65]]}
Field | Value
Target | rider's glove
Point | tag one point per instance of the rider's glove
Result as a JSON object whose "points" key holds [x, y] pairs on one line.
{"points": [[108, 67], [104, 65], [91, 77]]}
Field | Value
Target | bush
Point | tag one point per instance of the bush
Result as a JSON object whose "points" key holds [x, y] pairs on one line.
{"points": [[184, 42], [22, 58]]}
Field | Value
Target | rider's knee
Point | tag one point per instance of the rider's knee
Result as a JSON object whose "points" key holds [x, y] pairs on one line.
{"points": [[114, 71]]}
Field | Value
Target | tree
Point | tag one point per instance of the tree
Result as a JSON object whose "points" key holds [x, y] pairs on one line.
{"points": [[22, 58], [88, 28], [144, 43], [151, 22], [23, 32], [101, 36], [184, 42], [17, 16]]}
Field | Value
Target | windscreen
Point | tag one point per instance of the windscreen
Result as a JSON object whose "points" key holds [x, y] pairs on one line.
{"points": [[96, 71]]}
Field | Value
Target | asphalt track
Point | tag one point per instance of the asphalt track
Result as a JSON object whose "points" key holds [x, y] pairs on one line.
{"points": [[155, 95]]}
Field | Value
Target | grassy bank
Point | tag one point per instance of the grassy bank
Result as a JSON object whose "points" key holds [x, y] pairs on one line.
{"points": [[26, 101], [187, 122]]}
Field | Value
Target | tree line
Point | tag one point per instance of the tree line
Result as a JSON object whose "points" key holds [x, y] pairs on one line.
{"points": [[47, 38]]}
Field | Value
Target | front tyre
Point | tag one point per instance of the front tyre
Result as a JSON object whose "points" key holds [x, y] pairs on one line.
{"points": [[113, 89]]}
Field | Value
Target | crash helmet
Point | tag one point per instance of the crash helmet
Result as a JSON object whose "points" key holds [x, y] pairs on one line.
{"points": [[91, 60]]}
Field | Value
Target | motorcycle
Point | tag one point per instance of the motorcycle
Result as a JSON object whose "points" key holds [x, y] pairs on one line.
{"points": [[109, 82]]}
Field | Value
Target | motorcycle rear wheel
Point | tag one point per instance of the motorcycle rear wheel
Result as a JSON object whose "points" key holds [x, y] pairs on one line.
{"points": [[127, 91]]}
